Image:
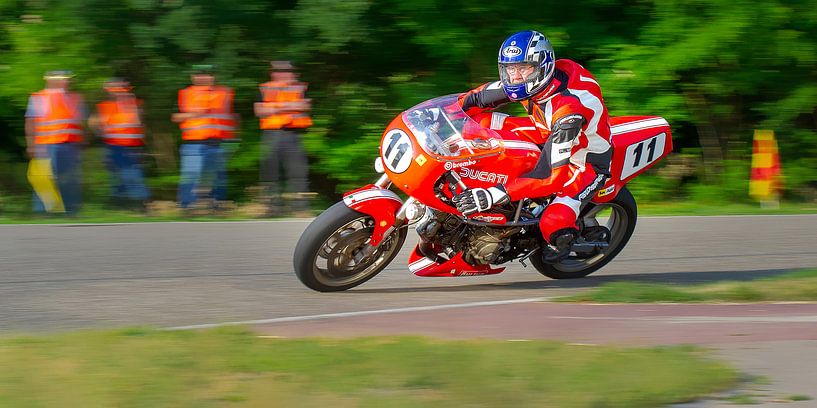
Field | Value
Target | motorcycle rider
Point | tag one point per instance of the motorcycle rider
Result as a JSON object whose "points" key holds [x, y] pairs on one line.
{"points": [[565, 104]]}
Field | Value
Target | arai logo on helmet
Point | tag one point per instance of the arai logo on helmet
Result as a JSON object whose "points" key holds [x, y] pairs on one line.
{"points": [[511, 51]]}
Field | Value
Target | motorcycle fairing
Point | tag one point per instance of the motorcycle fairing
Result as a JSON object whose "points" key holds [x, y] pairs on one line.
{"points": [[638, 143], [382, 204], [456, 266], [514, 157]]}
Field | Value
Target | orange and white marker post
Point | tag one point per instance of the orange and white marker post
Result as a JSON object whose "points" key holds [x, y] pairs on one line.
{"points": [[764, 184]]}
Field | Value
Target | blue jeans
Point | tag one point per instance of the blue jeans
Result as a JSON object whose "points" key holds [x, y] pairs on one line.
{"points": [[127, 180], [202, 161], [67, 170]]}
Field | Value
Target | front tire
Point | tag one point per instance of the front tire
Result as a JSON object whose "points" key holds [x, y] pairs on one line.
{"points": [[331, 254], [621, 223]]}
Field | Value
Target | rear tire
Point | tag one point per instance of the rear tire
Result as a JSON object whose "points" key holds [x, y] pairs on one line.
{"points": [[330, 255], [621, 224]]}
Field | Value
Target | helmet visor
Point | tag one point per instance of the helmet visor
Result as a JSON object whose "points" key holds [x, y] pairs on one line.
{"points": [[517, 73]]}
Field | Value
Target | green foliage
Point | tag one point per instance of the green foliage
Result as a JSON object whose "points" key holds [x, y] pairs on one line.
{"points": [[650, 188], [142, 367], [627, 292], [716, 70], [806, 273], [731, 187], [347, 160], [794, 286], [742, 399]]}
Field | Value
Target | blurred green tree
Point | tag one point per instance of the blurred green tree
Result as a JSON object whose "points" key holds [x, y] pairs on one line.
{"points": [[716, 69]]}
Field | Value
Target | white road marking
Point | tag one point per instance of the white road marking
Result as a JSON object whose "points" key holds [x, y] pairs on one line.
{"points": [[702, 319], [359, 313], [744, 319], [662, 319]]}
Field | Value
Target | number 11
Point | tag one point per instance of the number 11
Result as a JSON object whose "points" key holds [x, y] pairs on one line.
{"points": [[650, 153]]}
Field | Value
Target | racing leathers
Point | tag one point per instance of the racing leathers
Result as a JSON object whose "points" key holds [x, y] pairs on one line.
{"points": [[575, 140]]}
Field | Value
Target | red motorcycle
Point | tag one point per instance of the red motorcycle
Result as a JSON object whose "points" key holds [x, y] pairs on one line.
{"points": [[434, 151]]}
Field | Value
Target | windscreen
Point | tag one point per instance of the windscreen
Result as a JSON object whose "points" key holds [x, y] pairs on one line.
{"points": [[442, 129]]}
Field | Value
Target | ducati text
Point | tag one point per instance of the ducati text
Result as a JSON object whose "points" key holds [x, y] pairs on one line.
{"points": [[483, 176]]}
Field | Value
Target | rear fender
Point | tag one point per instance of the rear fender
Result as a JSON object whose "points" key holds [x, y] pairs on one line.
{"points": [[382, 204]]}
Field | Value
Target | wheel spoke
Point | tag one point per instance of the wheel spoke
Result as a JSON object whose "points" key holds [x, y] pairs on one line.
{"points": [[343, 258], [591, 214], [611, 221]]}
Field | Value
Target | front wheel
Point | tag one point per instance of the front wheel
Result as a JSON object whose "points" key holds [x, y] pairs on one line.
{"points": [[619, 216], [334, 254]]}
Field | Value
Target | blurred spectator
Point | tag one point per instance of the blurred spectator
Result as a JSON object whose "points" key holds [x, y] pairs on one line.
{"points": [[283, 113], [118, 120], [54, 132], [206, 119]]}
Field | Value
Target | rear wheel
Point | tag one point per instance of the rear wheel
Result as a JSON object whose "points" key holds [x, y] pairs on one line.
{"points": [[334, 254], [619, 216]]}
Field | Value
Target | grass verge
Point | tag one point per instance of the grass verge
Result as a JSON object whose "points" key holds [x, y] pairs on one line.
{"points": [[795, 286], [234, 367], [97, 214], [698, 208]]}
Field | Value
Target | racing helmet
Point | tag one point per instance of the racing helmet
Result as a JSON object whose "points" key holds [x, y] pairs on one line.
{"points": [[529, 57]]}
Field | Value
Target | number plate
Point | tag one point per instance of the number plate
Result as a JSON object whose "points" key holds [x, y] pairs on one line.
{"points": [[640, 155], [398, 152]]}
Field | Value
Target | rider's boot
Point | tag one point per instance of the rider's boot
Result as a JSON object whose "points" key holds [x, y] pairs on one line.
{"points": [[560, 243]]}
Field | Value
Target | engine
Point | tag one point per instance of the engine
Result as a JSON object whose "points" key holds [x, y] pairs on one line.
{"points": [[485, 245], [441, 229], [446, 234]]}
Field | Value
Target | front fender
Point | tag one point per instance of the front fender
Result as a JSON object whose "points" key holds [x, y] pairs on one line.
{"points": [[382, 204]]}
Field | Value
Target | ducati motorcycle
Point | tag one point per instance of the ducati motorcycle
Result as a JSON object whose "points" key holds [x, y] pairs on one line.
{"points": [[433, 152]]}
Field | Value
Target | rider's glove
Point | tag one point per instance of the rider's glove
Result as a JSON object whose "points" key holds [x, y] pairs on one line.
{"points": [[480, 199]]}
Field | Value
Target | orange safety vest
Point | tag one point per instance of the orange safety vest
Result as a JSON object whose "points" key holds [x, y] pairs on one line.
{"points": [[273, 93], [216, 105], [120, 122], [61, 122]]}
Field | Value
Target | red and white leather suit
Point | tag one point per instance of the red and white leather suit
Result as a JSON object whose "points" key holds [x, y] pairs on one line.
{"points": [[574, 133]]}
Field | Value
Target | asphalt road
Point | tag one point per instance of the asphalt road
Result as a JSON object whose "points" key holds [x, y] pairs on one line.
{"points": [[61, 277], [58, 277]]}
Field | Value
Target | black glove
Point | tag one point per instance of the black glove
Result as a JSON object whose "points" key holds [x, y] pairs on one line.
{"points": [[480, 199]]}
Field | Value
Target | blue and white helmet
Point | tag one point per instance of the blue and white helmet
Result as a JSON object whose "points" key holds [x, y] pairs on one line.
{"points": [[526, 47]]}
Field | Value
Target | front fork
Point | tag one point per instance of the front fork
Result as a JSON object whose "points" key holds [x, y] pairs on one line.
{"points": [[383, 181]]}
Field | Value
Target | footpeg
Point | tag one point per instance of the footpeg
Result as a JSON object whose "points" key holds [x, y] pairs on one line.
{"points": [[588, 247], [596, 233]]}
